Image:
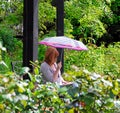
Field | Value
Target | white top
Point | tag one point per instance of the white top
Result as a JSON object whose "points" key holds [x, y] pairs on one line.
{"points": [[47, 73]]}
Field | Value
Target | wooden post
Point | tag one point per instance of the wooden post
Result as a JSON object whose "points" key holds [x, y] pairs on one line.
{"points": [[60, 28], [30, 32]]}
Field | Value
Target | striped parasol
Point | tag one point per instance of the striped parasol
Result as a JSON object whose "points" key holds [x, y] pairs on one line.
{"points": [[63, 42]]}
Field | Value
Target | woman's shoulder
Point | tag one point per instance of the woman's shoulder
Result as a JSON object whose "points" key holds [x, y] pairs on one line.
{"points": [[44, 64], [45, 67]]}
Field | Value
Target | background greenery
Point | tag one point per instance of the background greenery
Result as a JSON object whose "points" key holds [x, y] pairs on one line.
{"points": [[97, 70]]}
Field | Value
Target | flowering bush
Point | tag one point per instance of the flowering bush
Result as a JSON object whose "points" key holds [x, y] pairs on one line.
{"points": [[94, 93]]}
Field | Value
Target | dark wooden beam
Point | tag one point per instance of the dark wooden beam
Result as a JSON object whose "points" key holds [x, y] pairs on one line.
{"points": [[60, 28], [30, 32], [20, 37]]}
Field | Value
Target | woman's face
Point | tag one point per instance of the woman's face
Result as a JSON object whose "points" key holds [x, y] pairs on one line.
{"points": [[55, 59]]}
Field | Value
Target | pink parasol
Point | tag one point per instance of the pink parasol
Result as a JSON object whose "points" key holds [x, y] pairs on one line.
{"points": [[63, 42]]}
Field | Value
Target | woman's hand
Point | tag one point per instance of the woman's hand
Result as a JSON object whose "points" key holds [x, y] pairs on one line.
{"points": [[56, 73], [66, 82], [59, 65]]}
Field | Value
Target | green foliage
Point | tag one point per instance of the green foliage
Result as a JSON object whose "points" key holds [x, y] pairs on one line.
{"points": [[33, 96], [3, 66], [97, 93], [11, 16], [83, 19], [41, 52], [6, 36], [94, 93], [68, 29], [115, 4], [11, 11], [97, 59], [46, 16], [85, 16]]}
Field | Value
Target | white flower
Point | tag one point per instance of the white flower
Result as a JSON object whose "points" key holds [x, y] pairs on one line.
{"points": [[117, 103], [20, 97], [75, 68], [75, 84], [98, 102], [8, 96], [5, 79], [106, 83], [91, 90], [86, 72], [118, 80], [95, 76]]}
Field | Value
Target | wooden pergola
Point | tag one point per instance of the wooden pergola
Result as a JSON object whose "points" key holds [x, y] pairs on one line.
{"points": [[30, 32]]}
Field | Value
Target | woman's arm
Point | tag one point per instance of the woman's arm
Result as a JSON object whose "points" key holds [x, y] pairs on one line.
{"points": [[64, 82], [56, 73]]}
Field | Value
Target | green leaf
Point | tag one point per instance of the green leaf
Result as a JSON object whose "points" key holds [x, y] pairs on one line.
{"points": [[1, 107], [115, 91], [24, 103], [89, 100], [8, 97], [62, 90], [21, 89], [24, 70]]}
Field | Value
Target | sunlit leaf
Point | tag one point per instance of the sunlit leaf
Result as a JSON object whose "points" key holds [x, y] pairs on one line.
{"points": [[109, 103], [115, 91], [24, 103], [1, 106], [3, 63], [1, 89], [21, 89]]}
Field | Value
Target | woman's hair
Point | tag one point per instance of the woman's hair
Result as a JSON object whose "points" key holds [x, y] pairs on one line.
{"points": [[50, 55]]}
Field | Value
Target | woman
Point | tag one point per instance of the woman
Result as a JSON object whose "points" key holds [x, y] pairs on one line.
{"points": [[50, 69]]}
